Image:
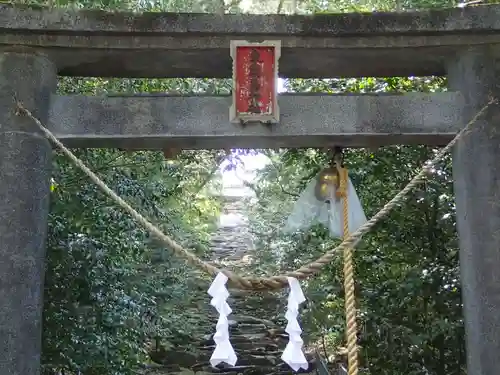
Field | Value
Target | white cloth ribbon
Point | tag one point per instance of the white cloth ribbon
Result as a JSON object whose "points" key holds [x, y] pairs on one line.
{"points": [[293, 354], [224, 351], [309, 210]]}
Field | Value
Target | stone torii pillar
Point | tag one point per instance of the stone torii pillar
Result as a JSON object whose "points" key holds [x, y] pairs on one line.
{"points": [[25, 160], [476, 170]]}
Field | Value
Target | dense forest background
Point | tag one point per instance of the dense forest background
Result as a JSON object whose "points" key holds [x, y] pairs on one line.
{"points": [[110, 287]]}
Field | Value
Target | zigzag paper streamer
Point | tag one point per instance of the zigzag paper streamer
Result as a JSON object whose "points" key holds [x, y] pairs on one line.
{"points": [[293, 354], [224, 351]]}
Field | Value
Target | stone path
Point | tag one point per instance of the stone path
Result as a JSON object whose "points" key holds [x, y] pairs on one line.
{"points": [[257, 323], [233, 240]]}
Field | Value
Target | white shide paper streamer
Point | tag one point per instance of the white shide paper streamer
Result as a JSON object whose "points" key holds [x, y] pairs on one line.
{"points": [[224, 351], [293, 354]]}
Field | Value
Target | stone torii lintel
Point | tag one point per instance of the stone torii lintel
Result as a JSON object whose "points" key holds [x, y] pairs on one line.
{"points": [[202, 122], [162, 45]]}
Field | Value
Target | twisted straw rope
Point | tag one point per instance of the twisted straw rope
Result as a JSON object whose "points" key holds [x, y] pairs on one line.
{"points": [[350, 299], [238, 281]]}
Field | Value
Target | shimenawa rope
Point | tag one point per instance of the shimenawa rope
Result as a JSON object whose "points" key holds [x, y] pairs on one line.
{"points": [[255, 283], [349, 298]]}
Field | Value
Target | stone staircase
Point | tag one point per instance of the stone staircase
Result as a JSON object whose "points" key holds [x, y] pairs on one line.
{"points": [[233, 240], [257, 323]]}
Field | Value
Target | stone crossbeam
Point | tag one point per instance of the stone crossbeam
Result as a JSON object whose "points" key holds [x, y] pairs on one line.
{"points": [[202, 122], [96, 43]]}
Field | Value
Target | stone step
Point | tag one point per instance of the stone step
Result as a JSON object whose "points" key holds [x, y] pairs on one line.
{"points": [[257, 339]]}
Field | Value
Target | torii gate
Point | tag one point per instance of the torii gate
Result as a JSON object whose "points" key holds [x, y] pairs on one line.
{"points": [[37, 45]]}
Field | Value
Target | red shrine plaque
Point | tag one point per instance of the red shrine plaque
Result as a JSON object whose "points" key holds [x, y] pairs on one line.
{"points": [[255, 81]]}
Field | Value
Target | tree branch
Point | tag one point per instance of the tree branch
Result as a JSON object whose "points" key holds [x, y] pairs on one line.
{"points": [[232, 4], [210, 175], [280, 6], [288, 192]]}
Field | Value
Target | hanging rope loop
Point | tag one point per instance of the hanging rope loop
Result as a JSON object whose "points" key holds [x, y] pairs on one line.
{"points": [[338, 156], [349, 287]]}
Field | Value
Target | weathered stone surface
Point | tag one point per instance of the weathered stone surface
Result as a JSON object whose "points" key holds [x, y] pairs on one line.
{"points": [[25, 160], [306, 121], [197, 45], [443, 20], [476, 172], [232, 240]]}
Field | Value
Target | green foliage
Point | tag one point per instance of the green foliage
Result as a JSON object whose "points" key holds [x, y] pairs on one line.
{"points": [[110, 288], [406, 270], [105, 277]]}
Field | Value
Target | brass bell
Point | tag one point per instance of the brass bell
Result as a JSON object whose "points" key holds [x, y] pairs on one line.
{"points": [[327, 179]]}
